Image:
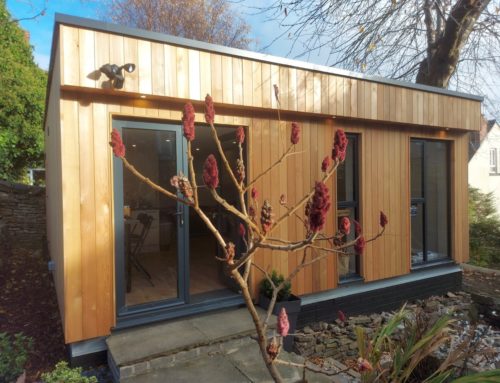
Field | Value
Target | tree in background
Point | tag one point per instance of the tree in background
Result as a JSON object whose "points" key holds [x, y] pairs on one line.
{"points": [[212, 21], [484, 229], [22, 101], [432, 42]]}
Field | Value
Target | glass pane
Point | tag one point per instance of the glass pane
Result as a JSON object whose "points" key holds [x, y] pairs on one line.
{"points": [[348, 265], [436, 200], [151, 267], [345, 174], [206, 273], [417, 233], [417, 155]]}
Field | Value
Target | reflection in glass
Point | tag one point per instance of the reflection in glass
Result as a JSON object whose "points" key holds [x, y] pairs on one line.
{"points": [[347, 204], [206, 273], [430, 201], [151, 267]]}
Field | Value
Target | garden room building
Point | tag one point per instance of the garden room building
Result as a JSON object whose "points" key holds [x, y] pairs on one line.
{"points": [[124, 256]]}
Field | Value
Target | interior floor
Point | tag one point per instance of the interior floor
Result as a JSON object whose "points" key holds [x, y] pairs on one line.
{"points": [[205, 272]]}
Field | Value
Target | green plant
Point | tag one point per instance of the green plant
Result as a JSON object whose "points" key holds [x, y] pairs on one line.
{"points": [[64, 374], [484, 230], [14, 352], [266, 288]]}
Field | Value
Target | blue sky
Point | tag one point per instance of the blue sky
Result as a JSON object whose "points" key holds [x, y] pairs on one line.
{"points": [[41, 28]]}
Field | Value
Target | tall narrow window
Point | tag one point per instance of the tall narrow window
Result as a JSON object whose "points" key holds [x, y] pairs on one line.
{"points": [[493, 161], [429, 209], [347, 203]]}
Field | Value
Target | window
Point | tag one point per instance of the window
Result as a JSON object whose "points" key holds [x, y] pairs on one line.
{"points": [[493, 161], [429, 209], [347, 203]]}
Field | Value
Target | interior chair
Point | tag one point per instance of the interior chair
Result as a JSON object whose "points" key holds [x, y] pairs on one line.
{"points": [[137, 237]]}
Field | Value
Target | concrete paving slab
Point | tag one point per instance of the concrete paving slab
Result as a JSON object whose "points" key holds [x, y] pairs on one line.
{"points": [[129, 346], [207, 369], [217, 326], [141, 343]]}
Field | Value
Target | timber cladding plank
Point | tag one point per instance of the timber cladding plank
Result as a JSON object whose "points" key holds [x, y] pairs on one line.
{"points": [[384, 168], [187, 73]]}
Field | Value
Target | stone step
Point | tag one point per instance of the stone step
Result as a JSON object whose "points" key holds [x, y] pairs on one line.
{"points": [[142, 350]]}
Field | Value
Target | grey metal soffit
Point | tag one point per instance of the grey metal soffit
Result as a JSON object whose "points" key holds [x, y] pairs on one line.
{"points": [[199, 45]]}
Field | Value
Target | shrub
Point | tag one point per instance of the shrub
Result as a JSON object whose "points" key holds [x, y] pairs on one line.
{"points": [[267, 290], [64, 374], [484, 230], [14, 352]]}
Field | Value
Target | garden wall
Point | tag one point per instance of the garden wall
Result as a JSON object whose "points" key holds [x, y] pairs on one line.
{"points": [[22, 217]]}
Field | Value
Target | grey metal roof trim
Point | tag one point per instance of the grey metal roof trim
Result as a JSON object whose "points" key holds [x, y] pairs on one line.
{"points": [[181, 41]]}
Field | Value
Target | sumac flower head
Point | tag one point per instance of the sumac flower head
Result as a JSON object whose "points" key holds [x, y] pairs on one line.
{"points": [[230, 252], [209, 109], [241, 230], [359, 246], [182, 184], [211, 172], [345, 225], [240, 170], [283, 324], [240, 135], [255, 193], [320, 204], [188, 121], [325, 164], [295, 136], [341, 316], [117, 144], [357, 229], [273, 349], [364, 365], [383, 219], [266, 216], [339, 146]]}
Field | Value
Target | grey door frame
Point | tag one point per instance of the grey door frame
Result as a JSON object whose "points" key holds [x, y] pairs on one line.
{"points": [[122, 310]]}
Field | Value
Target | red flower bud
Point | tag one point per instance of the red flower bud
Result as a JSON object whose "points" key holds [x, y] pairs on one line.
{"points": [[295, 136], [283, 324], [117, 144], [242, 231], [383, 219], [283, 199], [188, 121], [255, 193], [364, 365], [357, 229], [273, 349], [318, 208], [359, 246], [325, 164], [240, 134], [209, 109], [341, 316], [345, 225], [211, 172], [230, 253]]}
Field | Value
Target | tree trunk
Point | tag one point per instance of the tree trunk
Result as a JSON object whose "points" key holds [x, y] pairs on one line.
{"points": [[441, 61], [261, 336]]}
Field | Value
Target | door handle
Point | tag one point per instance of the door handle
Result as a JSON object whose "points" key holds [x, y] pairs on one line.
{"points": [[180, 214]]}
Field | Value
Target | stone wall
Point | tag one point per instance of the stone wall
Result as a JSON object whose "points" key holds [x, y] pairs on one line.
{"points": [[22, 217]]}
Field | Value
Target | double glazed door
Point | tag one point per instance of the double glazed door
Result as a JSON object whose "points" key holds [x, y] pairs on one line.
{"points": [[150, 228]]}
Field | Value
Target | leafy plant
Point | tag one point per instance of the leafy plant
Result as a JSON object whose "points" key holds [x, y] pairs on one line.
{"points": [[64, 374], [402, 350], [266, 288], [484, 229], [14, 351]]}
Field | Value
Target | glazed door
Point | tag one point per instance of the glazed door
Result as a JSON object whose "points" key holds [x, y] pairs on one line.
{"points": [[150, 229]]}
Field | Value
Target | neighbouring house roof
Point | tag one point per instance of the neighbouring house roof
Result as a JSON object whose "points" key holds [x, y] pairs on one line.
{"points": [[477, 138]]}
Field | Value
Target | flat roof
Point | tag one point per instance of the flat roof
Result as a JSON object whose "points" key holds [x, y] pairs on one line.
{"points": [[199, 45]]}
